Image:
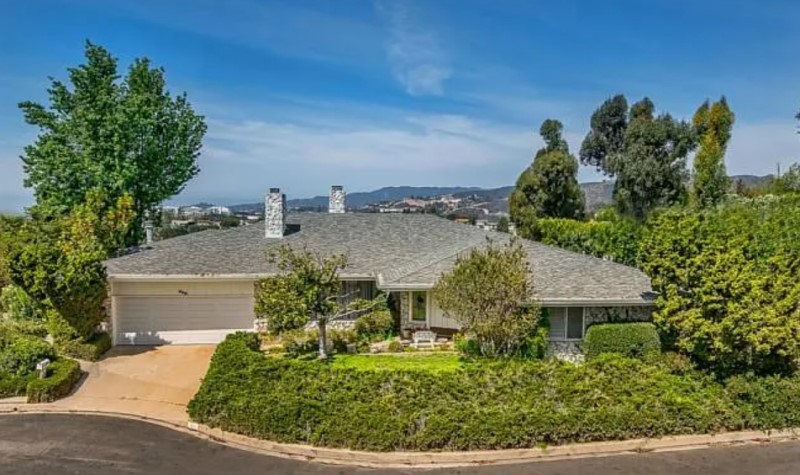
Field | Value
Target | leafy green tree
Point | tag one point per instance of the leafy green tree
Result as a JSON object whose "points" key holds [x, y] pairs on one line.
{"points": [[605, 142], [128, 137], [549, 186], [307, 284], [713, 124], [726, 277], [646, 153], [9, 225], [489, 293], [59, 263]]}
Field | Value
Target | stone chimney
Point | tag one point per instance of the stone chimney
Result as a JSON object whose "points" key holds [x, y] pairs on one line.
{"points": [[274, 213], [336, 203]]}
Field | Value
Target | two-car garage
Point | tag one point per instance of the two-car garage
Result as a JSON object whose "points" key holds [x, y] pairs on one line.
{"points": [[151, 312]]}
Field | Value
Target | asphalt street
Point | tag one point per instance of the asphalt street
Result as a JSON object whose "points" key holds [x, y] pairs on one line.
{"points": [[55, 444]]}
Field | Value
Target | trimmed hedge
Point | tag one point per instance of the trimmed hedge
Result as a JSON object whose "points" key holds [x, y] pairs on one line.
{"points": [[64, 373], [634, 340], [482, 405], [90, 350]]}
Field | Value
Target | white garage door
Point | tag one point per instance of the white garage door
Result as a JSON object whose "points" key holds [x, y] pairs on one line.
{"points": [[155, 320]]}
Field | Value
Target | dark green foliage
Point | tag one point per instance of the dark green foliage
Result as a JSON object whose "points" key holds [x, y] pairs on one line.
{"points": [[616, 239], [20, 356], [375, 326], [633, 340], [646, 153], [63, 374], [482, 405], [605, 142], [729, 295], [125, 137], [90, 350], [549, 186], [766, 402]]}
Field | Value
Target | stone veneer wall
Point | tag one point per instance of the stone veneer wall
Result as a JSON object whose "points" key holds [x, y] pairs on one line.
{"points": [[571, 350]]}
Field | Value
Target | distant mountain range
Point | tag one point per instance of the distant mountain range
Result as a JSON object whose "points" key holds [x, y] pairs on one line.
{"points": [[496, 199], [360, 198]]}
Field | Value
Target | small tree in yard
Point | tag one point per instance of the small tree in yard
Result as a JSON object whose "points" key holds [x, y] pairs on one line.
{"points": [[308, 287], [489, 293]]}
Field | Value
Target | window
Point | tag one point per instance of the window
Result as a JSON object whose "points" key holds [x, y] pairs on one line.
{"points": [[419, 306], [566, 323]]}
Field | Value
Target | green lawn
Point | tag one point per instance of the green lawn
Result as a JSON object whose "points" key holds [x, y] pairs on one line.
{"points": [[422, 362]]}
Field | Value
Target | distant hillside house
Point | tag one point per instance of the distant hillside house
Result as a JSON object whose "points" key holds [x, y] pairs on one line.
{"points": [[199, 287]]}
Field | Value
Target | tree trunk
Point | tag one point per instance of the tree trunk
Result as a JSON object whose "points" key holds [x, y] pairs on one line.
{"points": [[323, 338]]}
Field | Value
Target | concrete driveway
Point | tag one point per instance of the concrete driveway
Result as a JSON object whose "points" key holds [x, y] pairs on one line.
{"points": [[155, 382]]}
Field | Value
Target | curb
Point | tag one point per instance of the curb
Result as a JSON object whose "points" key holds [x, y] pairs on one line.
{"points": [[355, 458]]}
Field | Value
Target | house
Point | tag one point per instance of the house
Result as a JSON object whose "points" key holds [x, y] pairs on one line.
{"points": [[199, 287]]}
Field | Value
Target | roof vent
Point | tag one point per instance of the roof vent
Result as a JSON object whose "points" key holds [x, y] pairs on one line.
{"points": [[336, 203]]}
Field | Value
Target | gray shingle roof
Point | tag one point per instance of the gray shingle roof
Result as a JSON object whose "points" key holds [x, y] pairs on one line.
{"points": [[398, 250]]}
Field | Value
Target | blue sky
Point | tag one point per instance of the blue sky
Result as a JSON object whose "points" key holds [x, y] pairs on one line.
{"points": [[305, 94]]}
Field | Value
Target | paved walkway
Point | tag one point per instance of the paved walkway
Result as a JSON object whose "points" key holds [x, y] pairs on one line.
{"points": [[156, 382], [55, 444]]}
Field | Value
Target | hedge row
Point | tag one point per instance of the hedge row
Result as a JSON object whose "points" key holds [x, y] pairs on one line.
{"points": [[479, 406], [632, 339], [64, 373]]}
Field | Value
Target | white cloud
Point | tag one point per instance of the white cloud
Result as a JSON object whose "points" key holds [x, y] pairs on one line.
{"points": [[414, 53], [244, 158]]}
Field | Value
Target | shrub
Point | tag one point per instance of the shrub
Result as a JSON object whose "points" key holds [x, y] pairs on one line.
{"points": [[395, 347], [478, 405], [10, 331], [634, 340], [727, 283], [300, 342], [12, 385], [339, 338], [375, 326], [90, 350], [278, 300], [63, 374], [20, 356], [17, 305], [466, 345]]}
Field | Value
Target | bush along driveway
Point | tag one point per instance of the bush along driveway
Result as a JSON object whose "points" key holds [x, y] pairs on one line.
{"points": [[478, 405]]}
